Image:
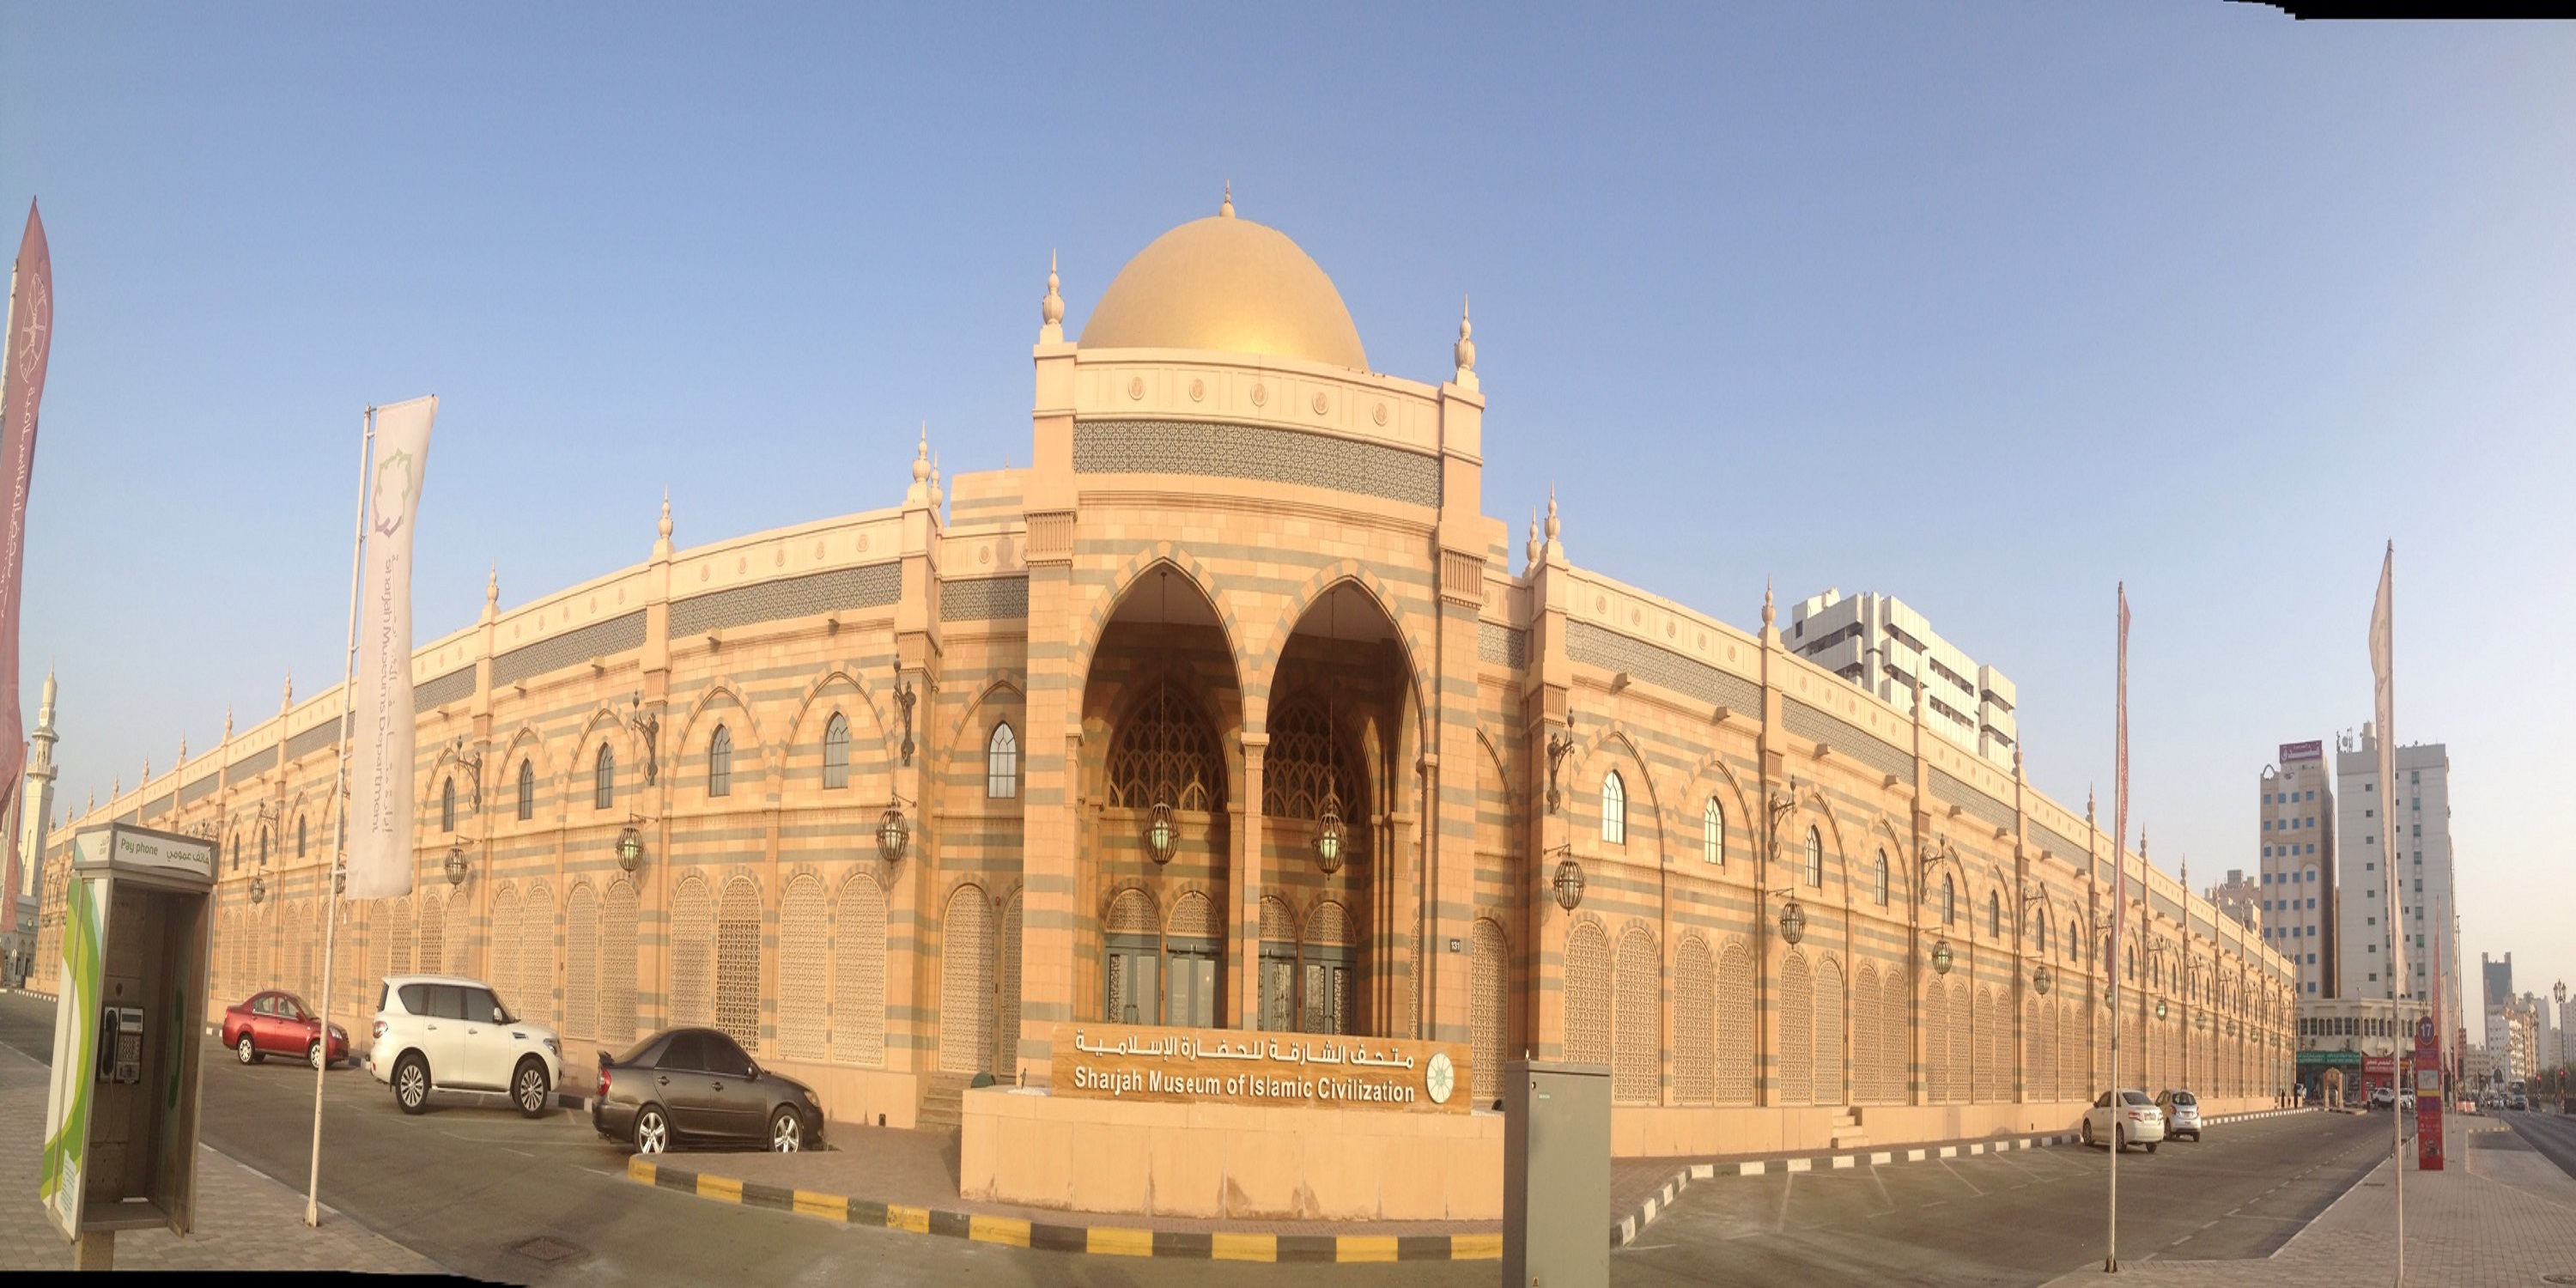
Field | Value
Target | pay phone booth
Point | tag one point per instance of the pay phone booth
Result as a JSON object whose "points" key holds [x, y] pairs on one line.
{"points": [[121, 1120]]}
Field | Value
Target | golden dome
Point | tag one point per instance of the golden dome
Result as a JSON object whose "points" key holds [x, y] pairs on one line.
{"points": [[1229, 284]]}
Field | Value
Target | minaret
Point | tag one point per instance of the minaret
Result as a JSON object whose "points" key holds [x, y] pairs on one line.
{"points": [[38, 794]]}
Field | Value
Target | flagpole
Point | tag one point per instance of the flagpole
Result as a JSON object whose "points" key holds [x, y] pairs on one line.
{"points": [[2385, 620], [339, 823], [2119, 915]]}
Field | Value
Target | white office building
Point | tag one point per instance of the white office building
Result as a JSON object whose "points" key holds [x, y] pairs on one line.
{"points": [[2419, 806], [2297, 851], [1878, 643]]}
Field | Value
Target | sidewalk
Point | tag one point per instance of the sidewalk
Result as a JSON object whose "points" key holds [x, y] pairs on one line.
{"points": [[2499, 1214], [245, 1221]]}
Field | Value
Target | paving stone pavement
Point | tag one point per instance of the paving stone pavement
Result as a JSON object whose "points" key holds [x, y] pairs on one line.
{"points": [[2500, 1214], [245, 1221]]}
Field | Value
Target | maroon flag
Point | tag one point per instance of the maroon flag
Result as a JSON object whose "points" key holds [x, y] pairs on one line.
{"points": [[29, 342], [2120, 798]]}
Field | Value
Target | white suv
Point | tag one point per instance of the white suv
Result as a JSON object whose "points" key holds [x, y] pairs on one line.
{"points": [[447, 1033]]}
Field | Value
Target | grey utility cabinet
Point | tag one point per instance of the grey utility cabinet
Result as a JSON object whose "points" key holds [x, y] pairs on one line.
{"points": [[1556, 1175]]}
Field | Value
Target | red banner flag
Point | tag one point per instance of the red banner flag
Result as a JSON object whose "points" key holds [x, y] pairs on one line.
{"points": [[30, 341], [2120, 799]]}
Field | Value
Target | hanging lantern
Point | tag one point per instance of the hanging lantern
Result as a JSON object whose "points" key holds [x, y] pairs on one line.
{"points": [[1328, 836], [2160, 1008], [630, 848], [1793, 923], [456, 865], [2040, 979], [892, 834], [258, 888], [1568, 883], [1161, 835], [1941, 956]]}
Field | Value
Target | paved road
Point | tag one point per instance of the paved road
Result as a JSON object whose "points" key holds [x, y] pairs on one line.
{"points": [[471, 1181], [2554, 1135], [2019, 1218]]}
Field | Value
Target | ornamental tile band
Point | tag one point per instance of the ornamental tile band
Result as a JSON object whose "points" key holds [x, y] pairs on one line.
{"points": [[200, 789], [1502, 645], [447, 688], [984, 599], [867, 586], [1846, 738], [1256, 452], [1610, 650], [1959, 793], [616, 635]]}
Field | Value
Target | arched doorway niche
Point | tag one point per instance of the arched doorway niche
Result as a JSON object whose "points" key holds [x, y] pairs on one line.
{"points": [[1162, 722]]}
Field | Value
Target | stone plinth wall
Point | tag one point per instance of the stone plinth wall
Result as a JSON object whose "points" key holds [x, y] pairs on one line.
{"points": [[1086, 1155], [1646, 1131]]}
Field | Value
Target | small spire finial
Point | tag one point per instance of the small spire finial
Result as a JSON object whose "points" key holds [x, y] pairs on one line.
{"points": [[664, 529], [147, 772], [228, 724], [183, 749], [1553, 527], [921, 456], [286, 700], [1465, 350], [1533, 536], [1768, 616], [1051, 309], [936, 495], [1225, 209], [492, 585]]}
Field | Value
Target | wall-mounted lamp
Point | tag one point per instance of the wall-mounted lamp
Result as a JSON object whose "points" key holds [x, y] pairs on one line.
{"points": [[1941, 955], [893, 833], [1328, 835], [1567, 882], [2040, 979]]}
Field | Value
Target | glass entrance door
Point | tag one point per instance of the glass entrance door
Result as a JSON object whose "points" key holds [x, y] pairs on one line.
{"points": [[1131, 981], [1191, 975]]}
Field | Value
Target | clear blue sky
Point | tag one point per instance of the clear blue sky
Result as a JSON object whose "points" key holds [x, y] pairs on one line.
{"points": [[1988, 310]]}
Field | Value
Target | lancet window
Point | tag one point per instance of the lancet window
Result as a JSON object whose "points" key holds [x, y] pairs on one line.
{"points": [[1307, 762], [1164, 754]]}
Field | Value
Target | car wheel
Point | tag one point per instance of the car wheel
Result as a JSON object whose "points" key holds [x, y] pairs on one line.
{"points": [[2151, 1147], [529, 1088], [2120, 1139], [786, 1132], [411, 1083], [652, 1130], [313, 1054], [245, 1049], [2088, 1133]]}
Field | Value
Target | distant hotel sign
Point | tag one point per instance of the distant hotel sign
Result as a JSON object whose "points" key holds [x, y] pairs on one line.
{"points": [[1228, 1066], [2302, 751]]}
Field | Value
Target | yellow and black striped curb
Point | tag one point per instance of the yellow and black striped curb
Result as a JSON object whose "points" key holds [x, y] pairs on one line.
{"points": [[1625, 1230], [1115, 1241]]}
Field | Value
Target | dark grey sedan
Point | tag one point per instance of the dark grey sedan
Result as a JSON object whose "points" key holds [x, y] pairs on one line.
{"points": [[698, 1087]]}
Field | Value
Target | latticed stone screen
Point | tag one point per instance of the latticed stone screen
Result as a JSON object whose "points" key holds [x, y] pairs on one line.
{"points": [[460, 934], [1868, 1052], [2035, 1034], [1132, 913], [965, 985], [1587, 994], [1797, 1030], [1194, 917], [1639, 1031], [1487, 963], [433, 941], [1734, 1025], [1006, 1025], [738, 963], [1694, 1018], [1936, 1043], [617, 962], [537, 953], [581, 962], [1165, 754], [505, 950], [1994, 1045], [858, 968], [803, 991], [1896, 1041], [1830, 1088], [1328, 926], [1963, 1026], [693, 934], [1260, 452], [398, 938]]}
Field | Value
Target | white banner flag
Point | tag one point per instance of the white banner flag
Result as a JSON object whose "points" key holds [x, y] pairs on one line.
{"points": [[2383, 678], [380, 803]]}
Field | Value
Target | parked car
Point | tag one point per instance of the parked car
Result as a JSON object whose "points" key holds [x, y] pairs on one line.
{"points": [[2182, 1113], [447, 1033], [2522, 1103], [697, 1086], [2139, 1122], [2406, 1102], [2381, 1097], [276, 1023]]}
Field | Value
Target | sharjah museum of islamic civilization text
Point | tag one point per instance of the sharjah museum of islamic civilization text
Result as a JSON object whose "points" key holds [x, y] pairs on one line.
{"points": [[1246, 593]]}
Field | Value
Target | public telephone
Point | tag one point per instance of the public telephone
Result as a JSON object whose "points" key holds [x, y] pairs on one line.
{"points": [[120, 1147]]}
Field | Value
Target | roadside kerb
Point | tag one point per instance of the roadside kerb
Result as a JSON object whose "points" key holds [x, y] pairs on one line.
{"points": [[1625, 1229], [1045, 1236]]}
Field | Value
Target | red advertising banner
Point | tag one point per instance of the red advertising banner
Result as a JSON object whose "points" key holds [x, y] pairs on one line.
{"points": [[2428, 1096], [30, 341]]}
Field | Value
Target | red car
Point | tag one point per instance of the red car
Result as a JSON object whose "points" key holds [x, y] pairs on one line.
{"points": [[275, 1023]]}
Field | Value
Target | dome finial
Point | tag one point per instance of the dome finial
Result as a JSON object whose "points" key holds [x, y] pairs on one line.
{"points": [[492, 586], [663, 529], [1051, 309], [1533, 537], [1465, 350], [921, 456], [1768, 616], [1225, 208], [286, 700], [936, 496], [228, 728]]}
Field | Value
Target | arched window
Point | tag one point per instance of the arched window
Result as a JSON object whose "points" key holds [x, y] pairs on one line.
{"points": [[1712, 834], [2074, 949], [1994, 915], [1878, 881], [263, 832], [299, 837], [1002, 764], [720, 763], [527, 791], [446, 811], [2039, 933], [603, 779], [1815, 858], [1949, 901], [1614, 809], [836, 752]]}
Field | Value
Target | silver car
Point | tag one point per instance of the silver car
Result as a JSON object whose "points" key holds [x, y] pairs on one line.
{"points": [[2182, 1113]]}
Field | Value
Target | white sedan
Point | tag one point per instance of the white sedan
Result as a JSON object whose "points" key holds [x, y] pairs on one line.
{"points": [[2137, 1121]]}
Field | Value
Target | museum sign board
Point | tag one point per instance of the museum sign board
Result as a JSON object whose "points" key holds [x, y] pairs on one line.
{"points": [[1242, 1067]]}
